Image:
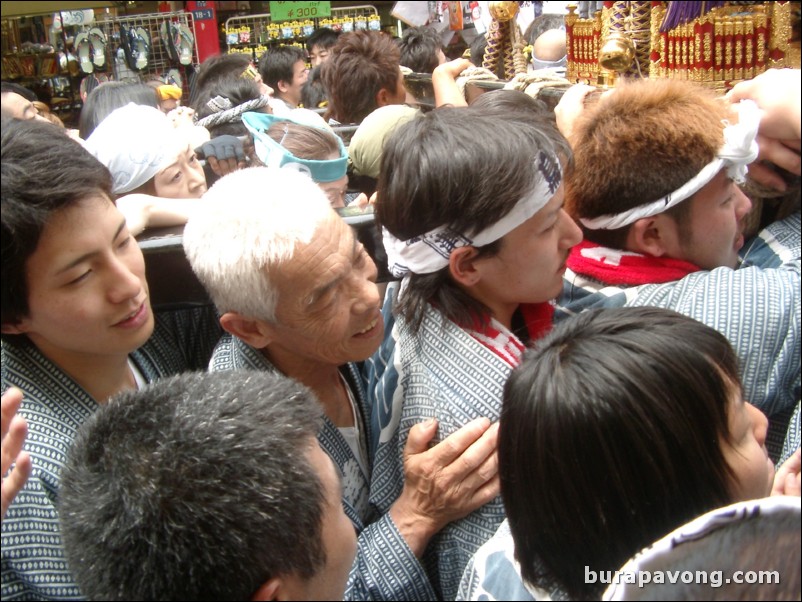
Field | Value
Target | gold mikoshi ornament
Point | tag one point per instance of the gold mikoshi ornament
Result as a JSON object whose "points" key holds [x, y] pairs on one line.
{"points": [[617, 53], [503, 11]]}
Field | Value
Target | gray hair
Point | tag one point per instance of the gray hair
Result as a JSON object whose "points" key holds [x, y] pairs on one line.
{"points": [[253, 222]]}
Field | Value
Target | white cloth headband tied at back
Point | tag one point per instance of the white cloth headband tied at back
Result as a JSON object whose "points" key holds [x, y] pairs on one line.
{"points": [[671, 549], [430, 252], [739, 149], [135, 143]]}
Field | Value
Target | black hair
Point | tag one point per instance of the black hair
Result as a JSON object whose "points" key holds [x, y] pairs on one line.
{"points": [[478, 47], [215, 68], [12, 88], [462, 168], [277, 64], [196, 487], [508, 101], [43, 171], [236, 89], [106, 98], [419, 46], [323, 37], [313, 93], [611, 434]]}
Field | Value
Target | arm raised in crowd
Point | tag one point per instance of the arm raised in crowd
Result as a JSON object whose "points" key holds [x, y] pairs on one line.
{"points": [[444, 83]]}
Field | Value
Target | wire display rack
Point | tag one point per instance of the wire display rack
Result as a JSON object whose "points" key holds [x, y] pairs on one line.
{"points": [[160, 64], [253, 34]]}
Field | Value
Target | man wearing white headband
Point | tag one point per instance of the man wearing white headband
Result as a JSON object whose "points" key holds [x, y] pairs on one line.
{"points": [[471, 209], [655, 188], [296, 293]]}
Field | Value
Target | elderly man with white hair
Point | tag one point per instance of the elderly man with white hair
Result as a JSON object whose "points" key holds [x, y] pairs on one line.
{"points": [[297, 294]]}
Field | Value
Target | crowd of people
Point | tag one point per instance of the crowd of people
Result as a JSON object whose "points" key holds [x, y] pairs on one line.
{"points": [[589, 341]]}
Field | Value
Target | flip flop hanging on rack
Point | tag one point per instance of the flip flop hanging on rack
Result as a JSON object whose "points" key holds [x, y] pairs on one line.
{"points": [[166, 36], [127, 46], [98, 41], [122, 70], [173, 77], [185, 44], [82, 47], [142, 47]]}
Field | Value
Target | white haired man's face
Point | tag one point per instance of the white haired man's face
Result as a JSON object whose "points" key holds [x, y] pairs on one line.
{"points": [[329, 308]]}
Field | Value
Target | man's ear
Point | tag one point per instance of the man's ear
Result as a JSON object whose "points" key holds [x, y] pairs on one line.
{"points": [[652, 235], [283, 587], [384, 97], [462, 266], [256, 333], [269, 590], [282, 86], [18, 328]]}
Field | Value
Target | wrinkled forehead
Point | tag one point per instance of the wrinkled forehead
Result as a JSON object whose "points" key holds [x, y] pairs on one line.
{"points": [[332, 231], [331, 236], [313, 265]]}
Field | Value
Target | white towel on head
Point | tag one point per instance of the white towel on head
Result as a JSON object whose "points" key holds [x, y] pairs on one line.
{"points": [[135, 142]]}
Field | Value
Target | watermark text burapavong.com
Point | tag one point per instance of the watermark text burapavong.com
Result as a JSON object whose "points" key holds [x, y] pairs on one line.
{"points": [[712, 578]]}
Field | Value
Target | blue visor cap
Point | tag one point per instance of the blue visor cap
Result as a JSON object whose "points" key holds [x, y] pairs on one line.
{"points": [[272, 154]]}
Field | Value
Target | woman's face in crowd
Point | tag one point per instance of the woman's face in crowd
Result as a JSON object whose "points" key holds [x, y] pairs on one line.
{"points": [[183, 178], [746, 453], [335, 191]]}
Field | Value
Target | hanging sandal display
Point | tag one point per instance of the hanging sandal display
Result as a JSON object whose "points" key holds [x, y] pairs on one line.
{"points": [[97, 40], [83, 48], [127, 47], [185, 45], [142, 46], [167, 40]]}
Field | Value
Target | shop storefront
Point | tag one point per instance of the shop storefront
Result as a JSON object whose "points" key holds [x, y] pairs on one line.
{"points": [[62, 50]]}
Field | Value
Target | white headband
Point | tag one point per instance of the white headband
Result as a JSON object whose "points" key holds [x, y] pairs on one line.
{"points": [[739, 149], [429, 252], [628, 581], [134, 142]]}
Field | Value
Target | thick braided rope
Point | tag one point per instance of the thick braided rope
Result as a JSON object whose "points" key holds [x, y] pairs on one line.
{"points": [[495, 42], [532, 84], [232, 114], [508, 63], [638, 28], [472, 74], [509, 59], [619, 15], [518, 45]]}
